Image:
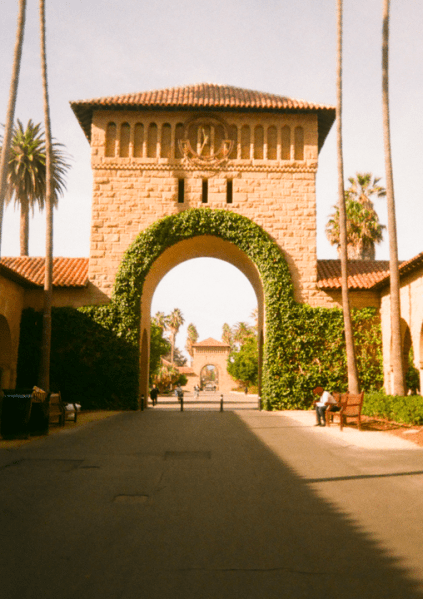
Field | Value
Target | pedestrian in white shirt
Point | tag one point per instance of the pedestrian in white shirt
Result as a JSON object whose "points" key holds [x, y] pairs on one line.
{"points": [[325, 401]]}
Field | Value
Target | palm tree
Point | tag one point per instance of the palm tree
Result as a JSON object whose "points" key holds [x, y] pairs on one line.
{"points": [[191, 339], [26, 179], [49, 198], [241, 332], [161, 320], [396, 350], [363, 186], [10, 117], [227, 335], [353, 383], [175, 321], [363, 229]]}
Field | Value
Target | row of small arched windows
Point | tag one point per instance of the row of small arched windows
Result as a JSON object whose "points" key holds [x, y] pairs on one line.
{"points": [[154, 142]]}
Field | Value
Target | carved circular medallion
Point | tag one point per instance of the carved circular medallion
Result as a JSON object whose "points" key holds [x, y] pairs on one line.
{"points": [[206, 141]]}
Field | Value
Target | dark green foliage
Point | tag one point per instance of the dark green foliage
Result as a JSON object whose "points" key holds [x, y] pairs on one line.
{"points": [[89, 365], [407, 410], [412, 376]]}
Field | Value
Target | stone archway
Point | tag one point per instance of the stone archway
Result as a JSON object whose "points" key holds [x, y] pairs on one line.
{"points": [[209, 375], [201, 246], [202, 232]]}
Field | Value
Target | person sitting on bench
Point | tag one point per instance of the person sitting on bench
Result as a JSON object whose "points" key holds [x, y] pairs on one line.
{"points": [[325, 401]]}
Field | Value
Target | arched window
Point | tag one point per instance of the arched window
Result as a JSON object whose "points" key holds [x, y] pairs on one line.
{"points": [[111, 140], [193, 137], [299, 143], [219, 136], [179, 134], [233, 135], [166, 140], [272, 140], [286, 143], [138, 140], [258, 142], [245, 142], [125, 132], [152, 141]]}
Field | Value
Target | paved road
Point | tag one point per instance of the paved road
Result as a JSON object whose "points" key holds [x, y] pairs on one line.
{"points": [[243, 504], [208, 400]]}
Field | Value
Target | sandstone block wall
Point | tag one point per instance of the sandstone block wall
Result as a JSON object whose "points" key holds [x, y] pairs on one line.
{"points": [[131, 192], [411, 298], [11, 305]]}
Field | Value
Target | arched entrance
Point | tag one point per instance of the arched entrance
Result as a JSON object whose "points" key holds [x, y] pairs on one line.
{"points": [[197, 247], [221, 234], [209, 377]]}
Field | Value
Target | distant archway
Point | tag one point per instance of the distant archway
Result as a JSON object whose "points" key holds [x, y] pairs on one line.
{"points": [[209, 377]]}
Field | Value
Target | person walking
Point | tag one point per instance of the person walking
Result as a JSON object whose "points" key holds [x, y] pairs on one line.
{"points": [[154, 394], [179, 393]]}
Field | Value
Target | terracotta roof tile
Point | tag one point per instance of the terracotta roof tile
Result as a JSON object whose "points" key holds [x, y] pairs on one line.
{"points": [[362, 274], [185, 370], [210, 342], [203, 96], [67, 272], [405, 268]]}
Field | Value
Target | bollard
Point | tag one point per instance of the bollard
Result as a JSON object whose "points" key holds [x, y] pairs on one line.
{"points": [[259, 402], [142, 403], [182, 403], [221, 403]]}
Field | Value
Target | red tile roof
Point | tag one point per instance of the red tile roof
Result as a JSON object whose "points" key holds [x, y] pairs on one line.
{"points": [[362, 274], [405, 268], [210, 342], [203, 96], [67, 272]]}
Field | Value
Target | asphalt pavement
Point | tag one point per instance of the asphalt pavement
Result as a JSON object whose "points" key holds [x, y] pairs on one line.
{"points": [[208, 504]]}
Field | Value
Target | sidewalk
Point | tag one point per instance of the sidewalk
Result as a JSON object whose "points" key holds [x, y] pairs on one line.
{"points": [[350, 435]]}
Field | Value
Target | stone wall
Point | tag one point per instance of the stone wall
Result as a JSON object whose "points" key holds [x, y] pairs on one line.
{"points": [[411, 298], [11, 305]]}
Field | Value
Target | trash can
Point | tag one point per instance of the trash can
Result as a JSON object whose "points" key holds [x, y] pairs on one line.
{"points": [[40, 413], [16, 412]]}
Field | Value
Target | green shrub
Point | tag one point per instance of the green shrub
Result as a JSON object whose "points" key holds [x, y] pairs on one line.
{"points": [[407, 410]]}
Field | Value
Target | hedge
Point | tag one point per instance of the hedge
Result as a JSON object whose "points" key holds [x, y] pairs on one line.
{"points": [[407, 410]]}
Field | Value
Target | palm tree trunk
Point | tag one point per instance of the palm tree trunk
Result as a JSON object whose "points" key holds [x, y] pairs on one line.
{"points": [[48, 278], [8, 130], [172, 346], [353, 384], [396, 350], [24, 229]]}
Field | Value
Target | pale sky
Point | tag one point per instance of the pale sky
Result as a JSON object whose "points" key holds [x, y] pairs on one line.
{"points": [[99, 48]]}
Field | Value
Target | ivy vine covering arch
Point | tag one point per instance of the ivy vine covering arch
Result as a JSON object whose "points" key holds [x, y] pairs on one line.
{"points": [[304, 346], [229, 226]]}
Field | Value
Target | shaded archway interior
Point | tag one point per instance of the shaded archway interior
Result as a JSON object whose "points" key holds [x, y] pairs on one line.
{"points": [[203, 246]]}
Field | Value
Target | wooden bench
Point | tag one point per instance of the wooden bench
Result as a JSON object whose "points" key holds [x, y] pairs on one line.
{"points": [[57, 409], [350, 405]]}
